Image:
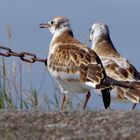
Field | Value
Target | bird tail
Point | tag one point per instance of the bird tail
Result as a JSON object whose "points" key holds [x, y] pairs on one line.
{"points": [[136, 90], [128, 90], [113, 82], [106, 98]]}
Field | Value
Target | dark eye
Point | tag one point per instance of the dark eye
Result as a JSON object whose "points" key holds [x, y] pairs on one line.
{"points": [[52, 22]]}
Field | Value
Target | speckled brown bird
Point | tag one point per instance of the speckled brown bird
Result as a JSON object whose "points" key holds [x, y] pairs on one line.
{"points": [[76, 68], [116, 66]]}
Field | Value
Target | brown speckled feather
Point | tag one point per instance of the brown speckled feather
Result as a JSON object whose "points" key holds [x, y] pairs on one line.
{"points": [[116, 66], [75, 67], [120, 73], [71, 59]]}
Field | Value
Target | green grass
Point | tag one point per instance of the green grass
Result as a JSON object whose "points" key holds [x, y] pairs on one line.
{"points": [[13, 94]]}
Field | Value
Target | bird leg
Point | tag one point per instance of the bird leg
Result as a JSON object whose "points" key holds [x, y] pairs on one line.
{"points": [[134, 105], [88, 94], [63, 99]]}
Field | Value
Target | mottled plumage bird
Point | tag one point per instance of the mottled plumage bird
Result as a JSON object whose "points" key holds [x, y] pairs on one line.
{"points": [[76, 68], [116, 66]]}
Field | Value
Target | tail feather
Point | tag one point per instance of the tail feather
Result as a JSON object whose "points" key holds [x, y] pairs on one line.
{"points": [[113, 82], [132, 95], [106, 97], [139, 75], [136, 88], [135, 84]]}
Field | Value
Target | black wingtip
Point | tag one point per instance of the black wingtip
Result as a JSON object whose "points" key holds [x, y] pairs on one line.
{"points": [[106, 98]]}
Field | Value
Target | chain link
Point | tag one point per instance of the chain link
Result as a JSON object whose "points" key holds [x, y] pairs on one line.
{"points": [[24, 56], [5, 51]]}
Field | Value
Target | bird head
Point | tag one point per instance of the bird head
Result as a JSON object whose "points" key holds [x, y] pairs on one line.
{"points": [[97, 30], [57, 24]]}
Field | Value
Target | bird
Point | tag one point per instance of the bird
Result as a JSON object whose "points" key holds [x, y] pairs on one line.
{"points": [[116, 66], [74, 66]]}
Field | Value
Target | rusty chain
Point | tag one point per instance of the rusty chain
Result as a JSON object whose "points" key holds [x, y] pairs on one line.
{"points": [[24, 56]]}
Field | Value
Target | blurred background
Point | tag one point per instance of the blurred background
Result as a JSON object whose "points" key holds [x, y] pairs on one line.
{"points": [[19, 30]]}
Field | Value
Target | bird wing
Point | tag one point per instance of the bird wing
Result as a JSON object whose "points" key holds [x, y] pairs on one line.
{"points": [[73, 62], [119, 69]]}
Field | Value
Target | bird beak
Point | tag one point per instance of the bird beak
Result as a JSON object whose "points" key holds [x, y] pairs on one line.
{"points": [[44, 25]]}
